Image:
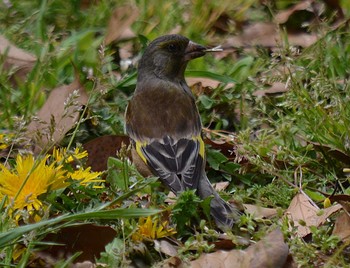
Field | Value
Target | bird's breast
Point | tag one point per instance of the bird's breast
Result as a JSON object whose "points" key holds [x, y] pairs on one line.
{"points": [[154, 113]]}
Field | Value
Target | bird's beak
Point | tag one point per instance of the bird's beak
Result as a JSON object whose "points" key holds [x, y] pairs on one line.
{"points": [[193, 51]]}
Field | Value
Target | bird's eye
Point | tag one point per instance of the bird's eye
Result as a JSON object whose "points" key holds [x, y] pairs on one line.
{"points": [[172, 48]]}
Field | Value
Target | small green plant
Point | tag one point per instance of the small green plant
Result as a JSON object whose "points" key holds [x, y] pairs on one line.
{"points": [[185, 212]]}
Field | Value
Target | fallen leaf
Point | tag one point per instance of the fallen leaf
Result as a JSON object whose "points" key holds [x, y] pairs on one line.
{"points": [[85, 264], [225, 242], [326, 213], [204, 82], [284, 15], [310, 6], [101, 148], [302, 212], [342, 226], [15, 58], [56, 118], [222, 259], [165, 247], [89, 239], [339, 197], [271, 251], [221, 186], [267, 34], [172, 262], [346, 206], [260, 212], [120, 22], [276, 88], [334, 152]]}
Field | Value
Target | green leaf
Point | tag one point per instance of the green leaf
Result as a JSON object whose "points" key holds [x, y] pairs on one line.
{"points": [[230, 167], [12, 235], [215, 158], [316, 196], [221, 78], [206, 101]]}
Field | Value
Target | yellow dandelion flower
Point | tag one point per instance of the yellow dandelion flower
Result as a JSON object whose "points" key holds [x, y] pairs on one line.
{"points": [[29, 180], [149, 229], [3, 142], [61, 154], [84, 176]]}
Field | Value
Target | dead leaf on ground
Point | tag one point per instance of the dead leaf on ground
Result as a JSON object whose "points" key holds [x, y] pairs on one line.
{"points": [[221, 186], [271, 251], [56, 118], [21, 61], [342, 226], [222, 259], [326, 213], [120, 22], [225, 242], [267, 34], [276, 88], [302, 212], [101, 148], [172, 262], [203, 82], [334, 152], [284, 15], [260, 212], [339, 198], [346, 206], [89, 239], [85, 264], [305, 213], [312, 6], [165, 247]]}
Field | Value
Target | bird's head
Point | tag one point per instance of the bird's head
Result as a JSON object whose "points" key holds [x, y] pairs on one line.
{"points": [[168, 55]]}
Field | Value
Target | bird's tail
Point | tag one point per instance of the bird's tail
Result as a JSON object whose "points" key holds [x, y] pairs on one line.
{"points": [[223, 213]]}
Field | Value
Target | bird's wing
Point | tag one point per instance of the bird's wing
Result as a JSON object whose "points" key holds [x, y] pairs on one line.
{"points": [[179, 163]]}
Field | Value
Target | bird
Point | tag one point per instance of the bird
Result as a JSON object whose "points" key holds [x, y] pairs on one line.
{"points": [[164, 125]]}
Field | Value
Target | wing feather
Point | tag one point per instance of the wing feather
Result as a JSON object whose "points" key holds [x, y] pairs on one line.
{"points": [[178, 163]]}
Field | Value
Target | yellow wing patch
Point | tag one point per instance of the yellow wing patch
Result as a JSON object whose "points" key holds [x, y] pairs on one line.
{"points": [[201, 145], [138, 146]]}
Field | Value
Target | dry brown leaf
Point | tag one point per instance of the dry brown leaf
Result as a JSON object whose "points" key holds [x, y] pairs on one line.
{"points": [[271, 251], [101, 148], [305, 214], [267, 34], [54, 109], [276, 89], [301, 210], [334, 152], [260, 212], [339, 198], [326, 213], [342, 226], [89, 239], [173, 262], [284, 15], [16, 58], [205, 82], [346, 206], [222, 259], [302, 39], [165, 247], [120, 22], [221, 186], [311, 6], [85, 264]]}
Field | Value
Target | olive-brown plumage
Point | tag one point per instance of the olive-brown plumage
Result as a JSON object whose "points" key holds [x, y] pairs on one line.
{"points": [[163, 122]]}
